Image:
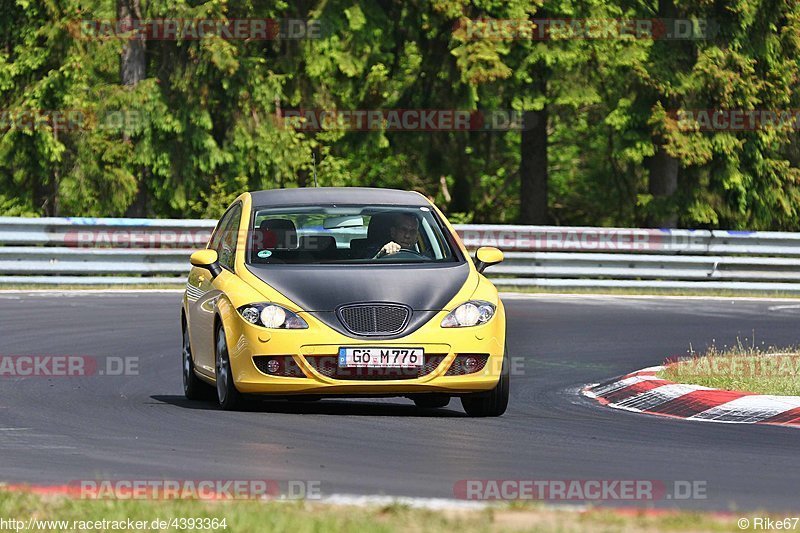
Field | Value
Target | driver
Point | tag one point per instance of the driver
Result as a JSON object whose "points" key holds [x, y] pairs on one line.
{"points": [[404, 233]]}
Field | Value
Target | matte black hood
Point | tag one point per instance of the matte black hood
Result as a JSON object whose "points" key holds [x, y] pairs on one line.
{"points": [[321, 289], [326, 287]]}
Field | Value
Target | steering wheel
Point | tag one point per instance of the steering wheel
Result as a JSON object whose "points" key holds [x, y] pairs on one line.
{"points": [[415, 254]]}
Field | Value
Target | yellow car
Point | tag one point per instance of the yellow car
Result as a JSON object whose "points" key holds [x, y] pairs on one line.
{"points": [[318, 292]]}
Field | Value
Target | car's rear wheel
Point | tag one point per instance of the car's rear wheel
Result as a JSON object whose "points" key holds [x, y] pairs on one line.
{"points": [[227, 394], [493, 402], [193, 387], [431, 401]]}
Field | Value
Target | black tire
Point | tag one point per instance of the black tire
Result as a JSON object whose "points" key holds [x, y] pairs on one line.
{"points": [[493, 402], [228, 395], [431, 401], [193, 387]]}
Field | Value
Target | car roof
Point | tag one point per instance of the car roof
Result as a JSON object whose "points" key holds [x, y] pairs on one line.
{"points": [[336, 195]]}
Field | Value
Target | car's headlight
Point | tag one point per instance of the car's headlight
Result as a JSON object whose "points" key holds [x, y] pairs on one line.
{"points": [[271, 316], [472, 313]]}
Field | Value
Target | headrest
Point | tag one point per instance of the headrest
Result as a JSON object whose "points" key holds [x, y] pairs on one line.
{"points": [[278, 233], [317, 243], [379, 226]]}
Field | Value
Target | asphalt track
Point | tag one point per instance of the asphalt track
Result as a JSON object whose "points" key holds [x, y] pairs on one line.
{"points": [[60, 429]]}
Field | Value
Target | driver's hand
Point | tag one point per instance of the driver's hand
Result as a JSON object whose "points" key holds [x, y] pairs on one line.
{"points": [[389, 248]]}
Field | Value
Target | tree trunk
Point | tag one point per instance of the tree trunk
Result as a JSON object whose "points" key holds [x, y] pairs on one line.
{"points": [[131, 65], [461, 196], [302, 178], [673, 57], [533, 169], [42, 196], [662, 184], [131, 72], [55, 183]]}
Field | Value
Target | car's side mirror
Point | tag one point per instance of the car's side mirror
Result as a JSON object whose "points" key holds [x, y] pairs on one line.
{"points": [[487, 256], [207, 259]]}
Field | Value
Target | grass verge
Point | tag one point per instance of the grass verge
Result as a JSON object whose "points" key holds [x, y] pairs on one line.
{"points": [[315, 517], [749, 368], [503, 288]]}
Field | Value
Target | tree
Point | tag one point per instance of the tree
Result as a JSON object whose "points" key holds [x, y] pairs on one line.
{"points": [[132, 71]]}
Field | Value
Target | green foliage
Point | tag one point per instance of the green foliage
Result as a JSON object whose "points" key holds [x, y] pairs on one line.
{"points": [[203, 124], [213, 204]]}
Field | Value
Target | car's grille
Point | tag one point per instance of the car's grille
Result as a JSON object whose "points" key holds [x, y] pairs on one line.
{"points": [[328, 366], [374, 319]]}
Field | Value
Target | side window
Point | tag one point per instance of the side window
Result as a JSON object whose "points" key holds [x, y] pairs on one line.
{"points": [[213, 244], [225, 238], [430, 239]]}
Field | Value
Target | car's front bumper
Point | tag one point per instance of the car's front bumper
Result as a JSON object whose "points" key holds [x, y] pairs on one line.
{"points": [[246, 341]]}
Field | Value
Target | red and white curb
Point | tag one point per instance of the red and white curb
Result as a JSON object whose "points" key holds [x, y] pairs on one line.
{"points": [[644, 392]]}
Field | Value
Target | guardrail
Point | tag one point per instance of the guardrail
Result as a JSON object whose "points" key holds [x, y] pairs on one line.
{"points": [[135, 251]]}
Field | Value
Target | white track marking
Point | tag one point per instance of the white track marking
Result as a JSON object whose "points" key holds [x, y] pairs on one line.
{"points": [[417, 503], [573, 296]]}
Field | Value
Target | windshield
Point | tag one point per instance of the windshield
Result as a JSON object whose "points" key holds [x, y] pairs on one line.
{"points": [[347, 234]]}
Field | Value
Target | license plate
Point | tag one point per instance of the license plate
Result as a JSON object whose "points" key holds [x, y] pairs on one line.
{"points": [[381, 357]]}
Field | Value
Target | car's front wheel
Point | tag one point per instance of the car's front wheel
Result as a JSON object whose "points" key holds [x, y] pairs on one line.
{"points": [[493, 402], [193, 387], [227, 394]]}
